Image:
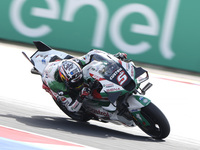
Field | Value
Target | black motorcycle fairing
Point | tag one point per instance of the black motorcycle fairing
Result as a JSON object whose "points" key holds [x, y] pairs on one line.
{"points": [[113, 69], [113, 96]]}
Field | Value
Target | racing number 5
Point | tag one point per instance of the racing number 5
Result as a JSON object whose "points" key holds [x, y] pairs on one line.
{"points": [[121, 78]]}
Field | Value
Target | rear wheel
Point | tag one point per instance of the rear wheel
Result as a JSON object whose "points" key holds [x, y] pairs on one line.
{"points": [[158, 126]]}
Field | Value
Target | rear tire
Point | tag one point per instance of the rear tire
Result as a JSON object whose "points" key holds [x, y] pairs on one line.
{"points": [[159, 126]]}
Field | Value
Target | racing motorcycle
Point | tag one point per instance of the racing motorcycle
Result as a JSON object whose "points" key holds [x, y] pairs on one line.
{"points": [[116, 93]]}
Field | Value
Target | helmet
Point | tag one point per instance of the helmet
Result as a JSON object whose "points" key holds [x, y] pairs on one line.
{"points": [[71, 73]]}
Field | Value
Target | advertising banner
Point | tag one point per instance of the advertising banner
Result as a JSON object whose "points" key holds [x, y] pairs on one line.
{"points": [[158, 32]]}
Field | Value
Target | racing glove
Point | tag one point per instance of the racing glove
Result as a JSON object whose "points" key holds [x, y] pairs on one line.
{"points": [[121, 56], [71, 105], [84, 92]]}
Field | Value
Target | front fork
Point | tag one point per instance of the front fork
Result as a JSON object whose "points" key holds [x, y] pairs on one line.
{"points": [[135, 103]]}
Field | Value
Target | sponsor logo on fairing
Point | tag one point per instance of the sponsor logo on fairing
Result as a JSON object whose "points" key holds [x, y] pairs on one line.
{"points": [[127, 66], [115, 73], [43, 61], [143, 99], [138, 116], [122, 78], [108, 85], [132, 71], [96, 77], [98, 112], [112, 89]]}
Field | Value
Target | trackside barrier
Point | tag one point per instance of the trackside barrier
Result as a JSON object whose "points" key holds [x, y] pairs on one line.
{"points": [[158, 32]]}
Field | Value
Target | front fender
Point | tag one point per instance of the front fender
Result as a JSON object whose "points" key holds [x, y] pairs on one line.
{"points": [[137, 102]]}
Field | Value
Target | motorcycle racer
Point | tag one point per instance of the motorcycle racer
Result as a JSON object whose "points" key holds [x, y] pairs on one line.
{"points": [[63, 79], [110, 91]]}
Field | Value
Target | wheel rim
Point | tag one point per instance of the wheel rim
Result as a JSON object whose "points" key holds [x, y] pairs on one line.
{"points": [[154, 129]]}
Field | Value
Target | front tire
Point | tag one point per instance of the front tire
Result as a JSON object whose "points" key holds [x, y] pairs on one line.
{"points": [[159, 127]]}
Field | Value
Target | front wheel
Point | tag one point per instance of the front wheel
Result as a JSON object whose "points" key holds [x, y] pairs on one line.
{"points": [[157, 125]]}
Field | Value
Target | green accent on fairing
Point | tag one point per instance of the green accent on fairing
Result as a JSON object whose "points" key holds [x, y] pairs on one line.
{"points": [[57, 86], [103, 94], [140, 119], [82, 61], [56, 75], [143, 100], [90, 80]]}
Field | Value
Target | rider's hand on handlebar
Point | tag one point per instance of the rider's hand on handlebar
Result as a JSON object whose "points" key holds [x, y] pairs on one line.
{"points": [[121, 56], [84, 92]]}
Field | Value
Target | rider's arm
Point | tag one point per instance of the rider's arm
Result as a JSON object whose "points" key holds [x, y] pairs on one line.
{"points": [[54, 86], [71, 105], [54, 90], [66, 100], [74, 104]]}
